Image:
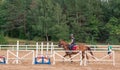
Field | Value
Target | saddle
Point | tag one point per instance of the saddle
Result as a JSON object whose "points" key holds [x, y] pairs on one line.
{"points": [[74, 47]]}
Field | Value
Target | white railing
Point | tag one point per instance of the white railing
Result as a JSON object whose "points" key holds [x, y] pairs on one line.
{"points": [[54, 47], [33, 47]]}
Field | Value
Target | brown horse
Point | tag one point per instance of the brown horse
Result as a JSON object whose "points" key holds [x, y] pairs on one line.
{"points": [[80, 47]]}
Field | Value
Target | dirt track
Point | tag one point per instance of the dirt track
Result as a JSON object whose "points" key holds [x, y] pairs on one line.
{"points": [[59, 66], [63, 66]]}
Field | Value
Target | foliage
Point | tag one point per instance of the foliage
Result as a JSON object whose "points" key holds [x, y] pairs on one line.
{"points": [[2, 39], [91, 21]]}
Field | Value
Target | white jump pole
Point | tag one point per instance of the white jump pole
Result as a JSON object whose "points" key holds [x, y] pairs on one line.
{"points": [[47, 49], [54, 58], [7, 57], [85, 59], [41, 49], [36, 49], [33, 57], [17, 53], [51, 52], [113, 52]]}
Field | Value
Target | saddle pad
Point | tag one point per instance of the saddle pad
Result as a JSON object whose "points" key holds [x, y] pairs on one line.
{"points": [[74, 47]]}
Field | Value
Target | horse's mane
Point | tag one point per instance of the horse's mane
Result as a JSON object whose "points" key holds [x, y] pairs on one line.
{"points": [[64, 41]]}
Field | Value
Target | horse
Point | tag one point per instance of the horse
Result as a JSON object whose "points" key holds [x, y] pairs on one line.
{"points": [[80, 47]]}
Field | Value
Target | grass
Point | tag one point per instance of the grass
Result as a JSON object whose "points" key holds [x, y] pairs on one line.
{"points": [[14, 40]]}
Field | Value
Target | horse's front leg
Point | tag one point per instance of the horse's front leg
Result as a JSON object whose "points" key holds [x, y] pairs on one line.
{"points": [[70, 57], [83, 55], [64, 56]]}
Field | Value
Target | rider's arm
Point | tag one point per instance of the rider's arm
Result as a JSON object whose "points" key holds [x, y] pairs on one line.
{"points": [[71, 41]]}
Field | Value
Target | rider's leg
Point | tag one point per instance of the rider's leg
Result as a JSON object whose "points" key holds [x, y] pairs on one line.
{"points": [[72, 46]]}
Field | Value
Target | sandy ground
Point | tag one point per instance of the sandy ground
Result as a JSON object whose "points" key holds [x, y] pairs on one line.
{"points": [[26, 65], [60, 66]]}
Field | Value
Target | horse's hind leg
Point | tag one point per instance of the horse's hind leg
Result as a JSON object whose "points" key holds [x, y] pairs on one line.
{"points": [[87, 56]]}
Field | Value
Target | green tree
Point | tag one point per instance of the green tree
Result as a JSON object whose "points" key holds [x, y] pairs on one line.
{"points": [[113, 29]]}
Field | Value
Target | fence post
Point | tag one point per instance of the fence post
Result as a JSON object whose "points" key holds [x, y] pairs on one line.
{"points": [[94, 48], [0, 47], [17, 53], [26, 47]]}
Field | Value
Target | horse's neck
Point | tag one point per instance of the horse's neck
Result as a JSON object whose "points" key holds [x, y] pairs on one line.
{"points": [[66, 46]]}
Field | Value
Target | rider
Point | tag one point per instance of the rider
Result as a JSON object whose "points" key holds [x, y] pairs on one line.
{"points": [[109, 50], [72, 43]]}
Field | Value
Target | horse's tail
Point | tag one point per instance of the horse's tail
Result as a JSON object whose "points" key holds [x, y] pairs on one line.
{"points": [[90, 50]]}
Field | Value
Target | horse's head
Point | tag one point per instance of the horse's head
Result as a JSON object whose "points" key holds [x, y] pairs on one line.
{"points": [[60, 43]]}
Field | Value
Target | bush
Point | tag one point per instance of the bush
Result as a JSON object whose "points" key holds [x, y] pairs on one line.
{"points": [[113, 40], [2, 39]]}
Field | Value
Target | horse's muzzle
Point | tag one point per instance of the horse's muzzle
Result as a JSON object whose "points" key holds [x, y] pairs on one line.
{"points": [[59, 45]]}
